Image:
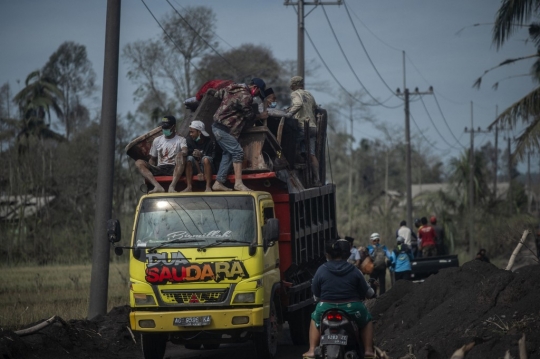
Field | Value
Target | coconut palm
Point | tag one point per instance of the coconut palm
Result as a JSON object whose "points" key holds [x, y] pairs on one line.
{"points": [[36, 100], [511, 16]]}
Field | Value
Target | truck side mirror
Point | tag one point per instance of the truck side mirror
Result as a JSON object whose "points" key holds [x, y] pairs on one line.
{"points": [[270, 232], [113, 230]]}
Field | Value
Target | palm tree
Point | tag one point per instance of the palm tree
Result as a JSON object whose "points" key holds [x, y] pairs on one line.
{"points": [[511, 16], [35, 101]]}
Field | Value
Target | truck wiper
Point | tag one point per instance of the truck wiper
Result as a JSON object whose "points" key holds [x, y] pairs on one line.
{"points": [[179, 240], [220, 241]]}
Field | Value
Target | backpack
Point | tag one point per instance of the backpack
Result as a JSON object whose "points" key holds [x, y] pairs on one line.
{"points": [[379, 258]]}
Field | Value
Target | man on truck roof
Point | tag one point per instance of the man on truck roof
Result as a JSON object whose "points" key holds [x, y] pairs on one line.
{"points": [[166, 156], [229, 120]]}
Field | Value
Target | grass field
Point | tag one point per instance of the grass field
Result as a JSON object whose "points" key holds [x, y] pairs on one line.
{"points": [[29, 294]]}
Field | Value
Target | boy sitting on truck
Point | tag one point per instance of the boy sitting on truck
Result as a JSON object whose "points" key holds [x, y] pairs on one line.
{"points": [[201, 152], [339, 284], [166, 156]]}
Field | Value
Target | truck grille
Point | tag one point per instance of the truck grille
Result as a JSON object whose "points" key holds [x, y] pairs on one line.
{"points": [[194, 297]]}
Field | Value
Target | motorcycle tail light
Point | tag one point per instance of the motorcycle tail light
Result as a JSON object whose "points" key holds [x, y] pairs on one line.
{"points": [[334, 317]]}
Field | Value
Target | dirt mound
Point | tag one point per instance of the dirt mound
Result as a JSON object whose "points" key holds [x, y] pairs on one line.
{"points": [[103, 337], [474, 303]]}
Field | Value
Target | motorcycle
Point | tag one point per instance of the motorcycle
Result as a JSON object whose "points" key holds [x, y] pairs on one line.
{"points": [[340, 337]]}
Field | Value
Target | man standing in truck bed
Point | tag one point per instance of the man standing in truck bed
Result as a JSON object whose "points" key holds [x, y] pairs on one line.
{"points": [[229, 120], [303, 110]]}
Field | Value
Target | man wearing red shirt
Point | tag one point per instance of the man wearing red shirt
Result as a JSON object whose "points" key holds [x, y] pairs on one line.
{"points": [[427, 235]]}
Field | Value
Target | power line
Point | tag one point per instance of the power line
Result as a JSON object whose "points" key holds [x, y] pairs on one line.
{"points": [[213, 32], [372, 33], [440, 110], [332, 74], [202, 38], [169, 36], [434, 126], [424, 137], [348, 62], [363, 47]]}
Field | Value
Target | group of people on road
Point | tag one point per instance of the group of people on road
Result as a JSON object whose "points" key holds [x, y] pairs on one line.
{"points": [[375, 258], [172, 154]]}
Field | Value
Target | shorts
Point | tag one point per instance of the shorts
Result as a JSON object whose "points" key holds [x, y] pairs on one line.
{"points": [[429, 251], [357, 310], [163, 170], [200, 169], [300, 140]]}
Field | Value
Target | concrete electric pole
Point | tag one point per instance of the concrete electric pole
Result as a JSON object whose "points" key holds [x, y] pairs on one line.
{"points": [[300, 70], [406, 95], [99, 283], [472, 131]]}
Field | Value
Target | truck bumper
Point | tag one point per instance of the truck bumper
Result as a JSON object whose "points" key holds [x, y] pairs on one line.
{"points": [[221, 319]]}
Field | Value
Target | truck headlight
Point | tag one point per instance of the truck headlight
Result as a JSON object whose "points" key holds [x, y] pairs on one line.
{"points": [[244, 298], [143, 299]]}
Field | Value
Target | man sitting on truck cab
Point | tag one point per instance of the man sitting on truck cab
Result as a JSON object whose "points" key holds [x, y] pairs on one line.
{"points": [[166, 156], [339, 284], [229, 120], [200, 158]]}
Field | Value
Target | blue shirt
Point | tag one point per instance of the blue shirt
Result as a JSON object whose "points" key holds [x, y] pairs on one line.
{"points": [[401, 258]]}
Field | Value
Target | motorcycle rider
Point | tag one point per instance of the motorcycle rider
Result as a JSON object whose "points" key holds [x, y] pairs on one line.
{"points": [[339, 284]]}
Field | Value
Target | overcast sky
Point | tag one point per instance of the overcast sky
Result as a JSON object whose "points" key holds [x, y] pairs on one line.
{"points": [[442, 47]]}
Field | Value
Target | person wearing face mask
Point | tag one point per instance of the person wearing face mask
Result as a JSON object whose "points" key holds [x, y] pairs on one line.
{"points": [[166, 156], [269, 100], [201, 152], [234, 111]]}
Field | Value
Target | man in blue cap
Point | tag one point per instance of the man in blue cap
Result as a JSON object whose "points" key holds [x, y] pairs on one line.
{"points": [[235, 110]]}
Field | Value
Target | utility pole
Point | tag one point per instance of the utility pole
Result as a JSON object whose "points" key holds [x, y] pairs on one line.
{"points": [[406, 95], [529, 190], [99, 283], [350, 172], [496, 155], [472, 131], [509, 153], [300, 71]]}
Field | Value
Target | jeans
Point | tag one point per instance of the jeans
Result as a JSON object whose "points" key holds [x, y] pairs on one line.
{"points": [[232, 153]]}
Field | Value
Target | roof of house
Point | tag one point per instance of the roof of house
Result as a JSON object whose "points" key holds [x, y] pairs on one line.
{"points": [[16, 207]]}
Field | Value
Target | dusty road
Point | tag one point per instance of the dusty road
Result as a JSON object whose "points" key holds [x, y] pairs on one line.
{"points": [[286, 350]]}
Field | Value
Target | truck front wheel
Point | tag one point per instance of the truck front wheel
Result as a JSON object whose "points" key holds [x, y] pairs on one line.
{"points": [[266, 341], [299, 325], [153, 345]]}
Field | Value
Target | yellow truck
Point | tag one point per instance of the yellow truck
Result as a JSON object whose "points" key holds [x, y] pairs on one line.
{"points": [[208, 268]]}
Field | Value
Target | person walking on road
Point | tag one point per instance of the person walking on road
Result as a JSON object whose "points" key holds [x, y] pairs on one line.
{"points": [[379, 254]]}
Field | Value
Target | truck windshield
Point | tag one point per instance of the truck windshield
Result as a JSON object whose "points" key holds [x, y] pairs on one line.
{"points": [[206, 219]]}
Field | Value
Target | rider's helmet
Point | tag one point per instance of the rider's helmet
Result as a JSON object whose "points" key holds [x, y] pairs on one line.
{"points": [[400, 240], [417, 223], [433, 220]]}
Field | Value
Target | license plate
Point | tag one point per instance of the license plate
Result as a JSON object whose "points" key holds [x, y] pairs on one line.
{"points": [[192, 321], [338, 339]]}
